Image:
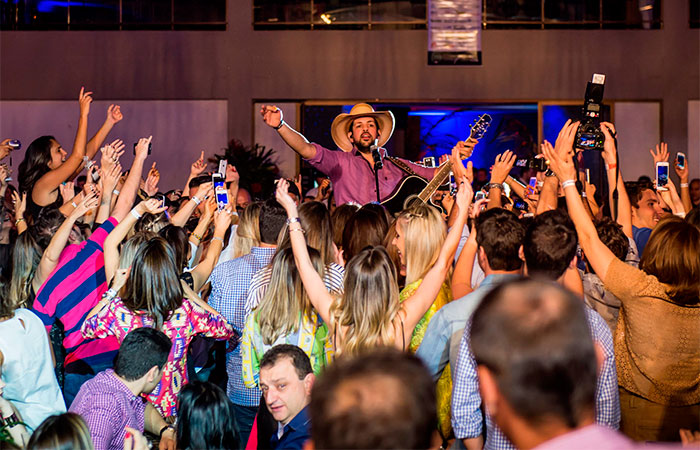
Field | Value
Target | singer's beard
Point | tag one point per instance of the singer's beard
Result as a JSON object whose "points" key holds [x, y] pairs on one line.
{"points": [[366, 149]]}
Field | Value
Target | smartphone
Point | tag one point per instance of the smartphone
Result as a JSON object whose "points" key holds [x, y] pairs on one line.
{"points": [[95, 176], [149, 147], [479, 196], [588, 176], [532, 185], [506, 190], [453, 183], [680, 157], [429, 161], [220, 190], [161, 198], [222, 167], [520, 204], [661, 176]]}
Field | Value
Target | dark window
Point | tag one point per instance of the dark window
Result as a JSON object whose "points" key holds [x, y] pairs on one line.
{"points": [[112, 14], [382, 14], [694, 13]]}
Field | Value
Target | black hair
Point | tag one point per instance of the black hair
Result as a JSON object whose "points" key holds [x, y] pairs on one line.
{"points": [[142, 349], [300, 360], [199, 180], [611, 234], [500, 234], [272, 218], [550, 244], [179, 241], [533, 336], [206, 419], [35, 163], [383, 399]]}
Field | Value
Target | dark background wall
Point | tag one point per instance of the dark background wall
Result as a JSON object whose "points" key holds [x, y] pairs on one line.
{"points": [[240, 65]]}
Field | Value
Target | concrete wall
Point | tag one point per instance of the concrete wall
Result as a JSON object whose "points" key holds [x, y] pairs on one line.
{"points": [[241, 65]]}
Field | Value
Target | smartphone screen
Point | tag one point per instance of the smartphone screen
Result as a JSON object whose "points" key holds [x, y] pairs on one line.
{"points": [[681, 160], [453, 183], [661, 176], [149, 147], [161, 197], [532, 185], [429, 161], [220, 190]]}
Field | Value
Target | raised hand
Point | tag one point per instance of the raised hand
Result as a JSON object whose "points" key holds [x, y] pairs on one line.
{"points": [[502, 166], [297, 183], [4, 174], [560, 157], [464, 196], [152, 205], [110, 177], [114, 114], [90, 178], [283, 197], [20, 204], [198, 166], [324, 190], [67, 191], [456, 160], [205, 190], [5, 148], [84, 99], [609, 149], [142, 147], [232, 174], [111, 153], [271, 115], [210, 207], [661, 154], [222, 219], [89, 202], [682, 173], [467, 148]]}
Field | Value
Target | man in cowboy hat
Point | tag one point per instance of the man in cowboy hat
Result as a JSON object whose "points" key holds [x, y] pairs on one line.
{"points": [[352, 170]]}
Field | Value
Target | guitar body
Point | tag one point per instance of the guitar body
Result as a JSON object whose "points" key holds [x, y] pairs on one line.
{"points": [[406, 193]]}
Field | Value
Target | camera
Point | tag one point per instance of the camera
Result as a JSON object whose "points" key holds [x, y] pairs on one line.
{"points": [[539, 164], [588, 134]]}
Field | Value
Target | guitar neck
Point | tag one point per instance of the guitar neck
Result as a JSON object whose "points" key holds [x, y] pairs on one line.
{"points": [[436, 182]]}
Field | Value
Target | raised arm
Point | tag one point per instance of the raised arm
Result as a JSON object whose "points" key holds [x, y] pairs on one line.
{"points": [[685, 186], [562, 165], [200, 274], [615, 180], [462, 276], [550, 189], [51, 180], [114, 115], [20, 207], [131, 185], [499, 172], [49, 259], [272, 116], [181, 217], [320, 298], [196, 169], [108, 183], [416, 305]]}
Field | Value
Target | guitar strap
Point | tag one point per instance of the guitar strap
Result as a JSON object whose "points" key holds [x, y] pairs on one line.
{"points": [[402, 165]]}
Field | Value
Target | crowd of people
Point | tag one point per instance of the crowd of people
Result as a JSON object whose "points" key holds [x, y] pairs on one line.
{"points": [[518, 314]]}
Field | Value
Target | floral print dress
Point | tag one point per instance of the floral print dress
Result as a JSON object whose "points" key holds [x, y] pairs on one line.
{"points": [[184, 323]]}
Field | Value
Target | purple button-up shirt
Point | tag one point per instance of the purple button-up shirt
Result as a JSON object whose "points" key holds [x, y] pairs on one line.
{"points": [[353, 177], [108, 406]]}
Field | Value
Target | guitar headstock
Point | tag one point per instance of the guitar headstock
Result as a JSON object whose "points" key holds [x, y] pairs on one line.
{"points": [[480, 126]]}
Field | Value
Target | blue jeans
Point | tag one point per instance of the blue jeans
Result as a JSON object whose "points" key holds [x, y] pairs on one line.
{"points": [[245, 416]]}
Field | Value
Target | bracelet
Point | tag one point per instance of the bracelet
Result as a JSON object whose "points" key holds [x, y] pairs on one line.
{"points": [[162, 430], [196, 236], [684, 185], [74, 204], [21, 219], [115, 192], [611, 166], [549, 173], [298, 229], [495, 186], [216, 238], [280, 125], [135, 214], [679, 214], [291, 220], [110, 294], [567, 183], [196, 200]]}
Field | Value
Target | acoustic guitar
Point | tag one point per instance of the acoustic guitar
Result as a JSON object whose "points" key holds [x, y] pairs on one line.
{"points": [[414, 188]]}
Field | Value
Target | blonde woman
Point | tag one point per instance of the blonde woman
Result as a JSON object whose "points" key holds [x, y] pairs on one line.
{"points": [[285, 316], [248, 231], [369, 313]]}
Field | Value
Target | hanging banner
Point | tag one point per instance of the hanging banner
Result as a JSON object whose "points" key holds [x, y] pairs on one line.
{"points": [[454, 32]]}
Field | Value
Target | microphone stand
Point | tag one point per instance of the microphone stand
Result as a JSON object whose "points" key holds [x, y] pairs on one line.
{"points": [[378, 164]]}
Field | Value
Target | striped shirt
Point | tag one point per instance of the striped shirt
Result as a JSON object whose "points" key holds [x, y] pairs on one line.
{"points": [[229, 288], [108, 406], [466, 400], [70, 292]]}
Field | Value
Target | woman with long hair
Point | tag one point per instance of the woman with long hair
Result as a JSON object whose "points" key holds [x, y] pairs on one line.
{"points": [[62, 432], [369, 314], [46, 165], [285, 316], [247, 233], [206, 419], [152, 296], [658, 327]]}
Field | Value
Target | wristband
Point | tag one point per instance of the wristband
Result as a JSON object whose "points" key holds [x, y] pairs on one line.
{"points": [[135, 214], [298, 229], [216, 238], [162, 430], [115, 192], [611, 166], [679, 214], [684, 185], [291, 220], [110, 294], [74, 204], [495, 186], [280, 125], [196, 236], [196, 200], [21, 219], [567, 183]]}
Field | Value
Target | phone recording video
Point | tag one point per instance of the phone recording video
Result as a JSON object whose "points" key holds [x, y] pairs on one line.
{"points": [[661, 176], [220, 190]]}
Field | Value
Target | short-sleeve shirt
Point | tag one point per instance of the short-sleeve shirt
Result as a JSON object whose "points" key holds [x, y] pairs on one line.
{"points": [[353, 177], [115, 319], [74, 287]]}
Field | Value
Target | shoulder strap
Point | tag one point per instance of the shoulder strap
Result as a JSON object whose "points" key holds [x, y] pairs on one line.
{"points": [[401, 165]]}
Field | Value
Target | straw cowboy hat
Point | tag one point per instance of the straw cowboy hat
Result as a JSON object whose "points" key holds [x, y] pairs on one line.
{"points": [[341, 125]]}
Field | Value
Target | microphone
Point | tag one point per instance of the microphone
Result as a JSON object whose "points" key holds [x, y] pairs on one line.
{"points": [[378, 162]]}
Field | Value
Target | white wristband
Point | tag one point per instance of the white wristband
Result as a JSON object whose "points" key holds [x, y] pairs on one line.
{"points": [[196, 200], [74, 205], [567, 183], [684, 185], [135, 214], [115, 192]]}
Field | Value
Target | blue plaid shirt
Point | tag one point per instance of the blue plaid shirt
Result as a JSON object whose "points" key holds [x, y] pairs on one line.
{"points": [[466, 400], [229, 288]]}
